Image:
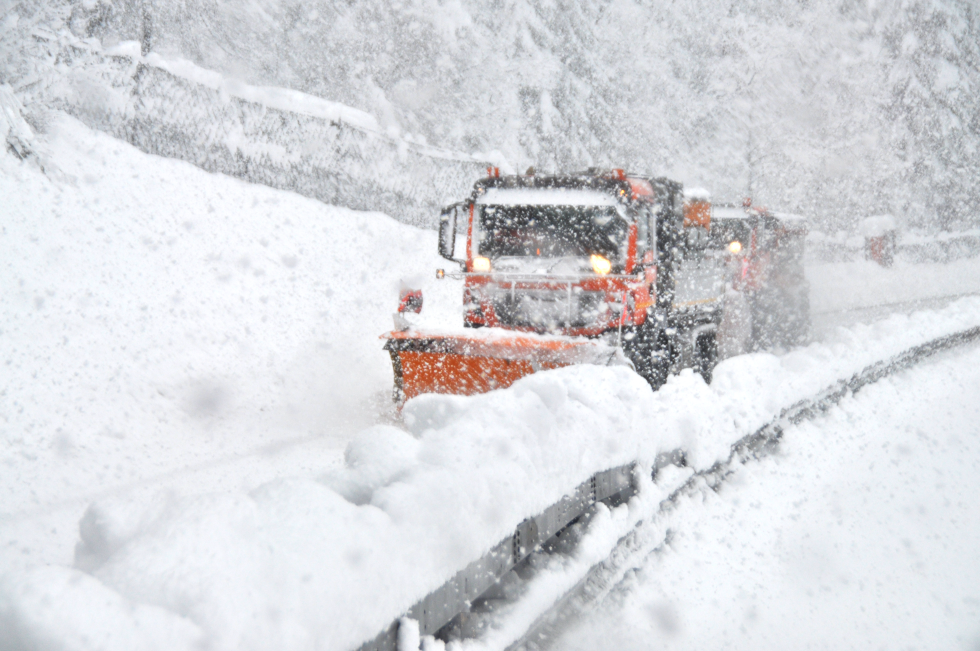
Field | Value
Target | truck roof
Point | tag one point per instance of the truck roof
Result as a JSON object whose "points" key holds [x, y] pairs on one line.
{"points": [[615, 183], [728, 212], [546, 196]]}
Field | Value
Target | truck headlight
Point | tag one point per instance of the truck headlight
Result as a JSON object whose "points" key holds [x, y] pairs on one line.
{"points": [[601, 265], [481, 264], [735, 247]]}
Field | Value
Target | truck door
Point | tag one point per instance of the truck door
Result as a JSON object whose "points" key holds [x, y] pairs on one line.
{"points": [[700, 271]]}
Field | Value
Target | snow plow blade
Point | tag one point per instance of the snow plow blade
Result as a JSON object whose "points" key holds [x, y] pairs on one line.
{"points": [[467, 364]]}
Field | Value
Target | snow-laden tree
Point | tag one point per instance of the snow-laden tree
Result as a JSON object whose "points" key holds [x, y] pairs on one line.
{"points": [[933, 72], [834, 108]]}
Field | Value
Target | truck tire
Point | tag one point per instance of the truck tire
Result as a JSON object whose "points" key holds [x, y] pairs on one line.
{"points": [[706, 356], [649, 351], [801, 325]]}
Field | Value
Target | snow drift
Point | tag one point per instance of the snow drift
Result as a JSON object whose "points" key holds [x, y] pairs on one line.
{"points": [[326, 562]]}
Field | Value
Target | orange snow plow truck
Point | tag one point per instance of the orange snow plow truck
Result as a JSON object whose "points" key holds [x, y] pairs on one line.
{"points": [[593, 267]]}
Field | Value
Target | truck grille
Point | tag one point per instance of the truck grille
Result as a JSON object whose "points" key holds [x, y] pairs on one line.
{"points": [[548, 309]]}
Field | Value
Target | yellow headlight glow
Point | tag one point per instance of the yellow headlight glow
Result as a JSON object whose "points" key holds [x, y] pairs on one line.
{"points": [[600, 265], [735, 247], [481, 264]]}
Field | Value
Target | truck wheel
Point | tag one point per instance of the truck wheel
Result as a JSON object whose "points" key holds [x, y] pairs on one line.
{"points": [[801, 334], [649, 351], [706, 356], [659, 368]]}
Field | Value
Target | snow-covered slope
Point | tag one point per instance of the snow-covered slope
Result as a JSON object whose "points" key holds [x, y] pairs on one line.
{"points": [[837, 110], [829, 109], [155, 316]]}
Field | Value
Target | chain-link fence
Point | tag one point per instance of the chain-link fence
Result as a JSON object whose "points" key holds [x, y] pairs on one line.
{"points": [[330, 160]]}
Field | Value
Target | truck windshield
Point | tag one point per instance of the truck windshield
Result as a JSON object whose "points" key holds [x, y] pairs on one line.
{"points": [[725, 231], [552, 231]]}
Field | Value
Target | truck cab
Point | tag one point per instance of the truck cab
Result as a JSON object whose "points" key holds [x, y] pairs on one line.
{"points": [[766, 266], [594, 254]]}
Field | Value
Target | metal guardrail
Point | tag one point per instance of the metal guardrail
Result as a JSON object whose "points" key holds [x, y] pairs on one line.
{"points": [[440, 606], [604, 576], [616, 485]]}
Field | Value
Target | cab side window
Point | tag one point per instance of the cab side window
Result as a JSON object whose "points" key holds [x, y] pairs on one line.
{"points": [[642, 231]]}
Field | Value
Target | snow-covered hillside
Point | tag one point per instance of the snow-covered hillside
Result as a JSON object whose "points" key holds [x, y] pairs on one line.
{"points": [[155, 317], [833, 109]]}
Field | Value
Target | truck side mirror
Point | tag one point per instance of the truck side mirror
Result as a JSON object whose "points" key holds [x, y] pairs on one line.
{"points": [[448, 233]]}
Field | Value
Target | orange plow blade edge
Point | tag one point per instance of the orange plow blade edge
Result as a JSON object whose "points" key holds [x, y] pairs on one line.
{"points": [[467, 364]]}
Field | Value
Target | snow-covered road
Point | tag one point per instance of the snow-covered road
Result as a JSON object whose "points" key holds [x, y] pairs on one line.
{"points": [[842, 294], [862, 532]]}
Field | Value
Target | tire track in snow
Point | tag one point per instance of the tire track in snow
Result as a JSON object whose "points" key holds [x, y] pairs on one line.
{"points": [[266, 450]]}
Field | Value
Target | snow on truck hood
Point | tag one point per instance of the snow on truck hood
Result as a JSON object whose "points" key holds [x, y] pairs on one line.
{"points": [[535, 197], [727, 212]]}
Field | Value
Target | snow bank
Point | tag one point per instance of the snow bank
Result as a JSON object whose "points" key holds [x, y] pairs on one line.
{"points": [[284, 565], [84, 615], [165, 326]]}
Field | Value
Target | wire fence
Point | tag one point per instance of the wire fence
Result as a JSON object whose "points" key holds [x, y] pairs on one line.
{"points": [[955, 247], [327, 159]]}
